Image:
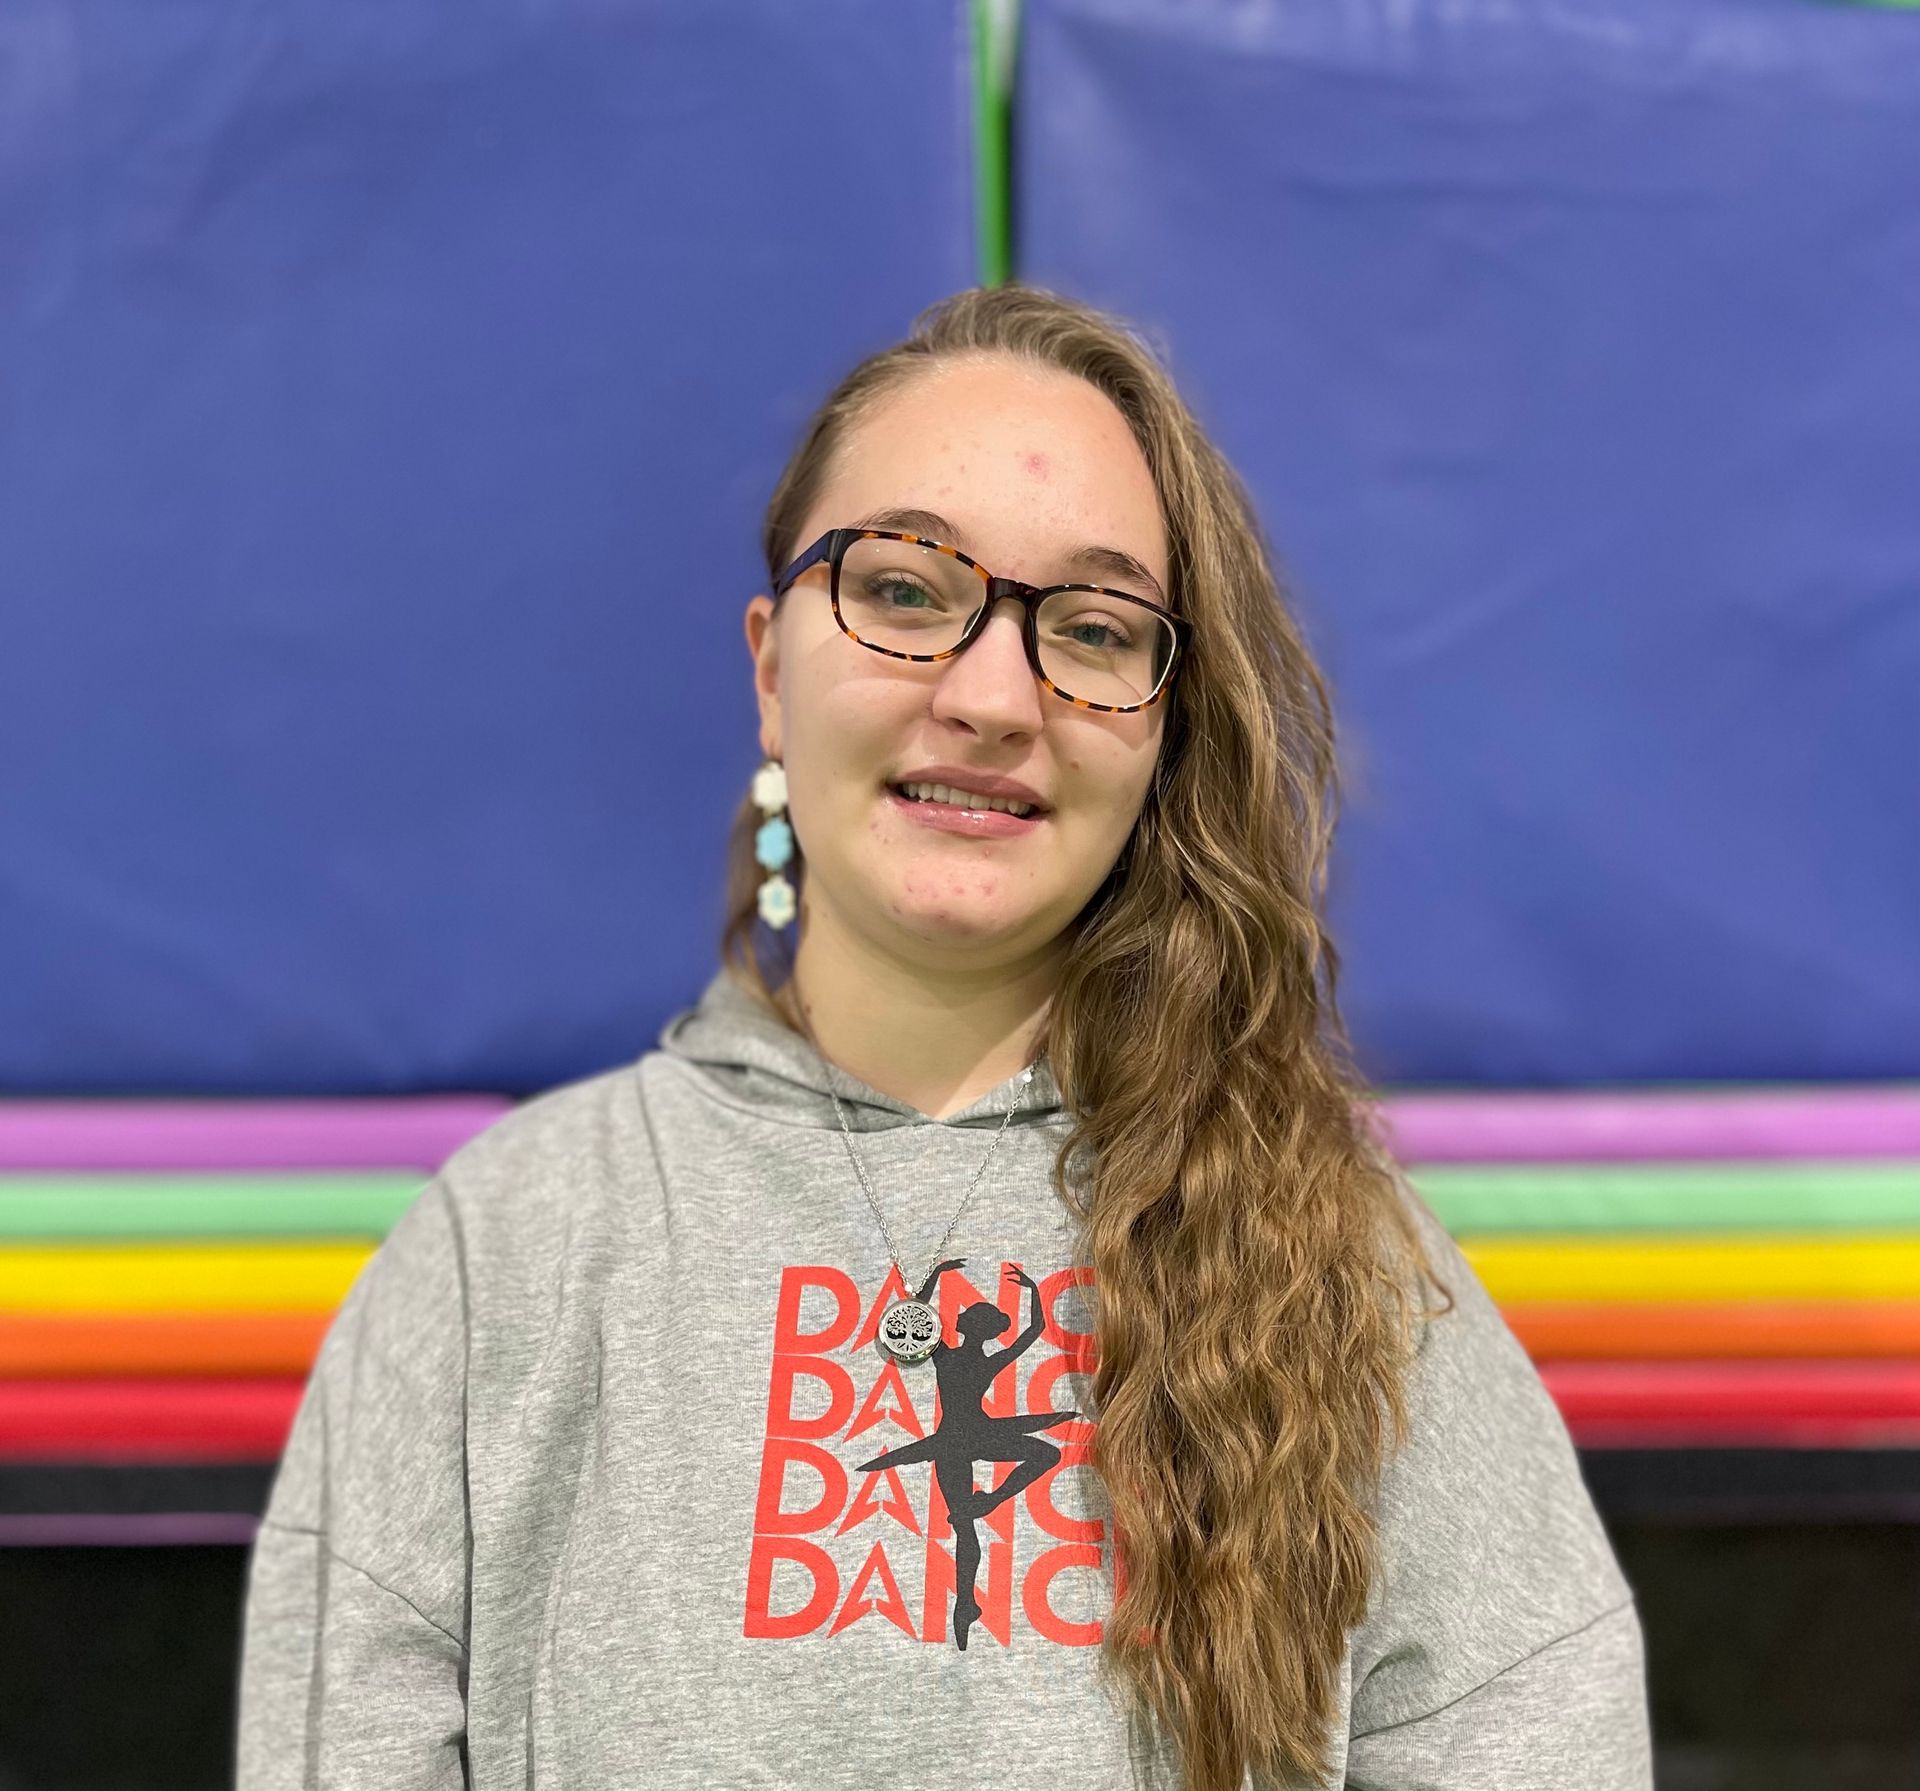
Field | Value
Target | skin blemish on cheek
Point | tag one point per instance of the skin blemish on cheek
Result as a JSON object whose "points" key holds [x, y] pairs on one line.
{"points": [[1035, 465]]}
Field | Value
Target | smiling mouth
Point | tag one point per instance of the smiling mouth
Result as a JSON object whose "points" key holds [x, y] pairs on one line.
{"points": [[970, 802]]}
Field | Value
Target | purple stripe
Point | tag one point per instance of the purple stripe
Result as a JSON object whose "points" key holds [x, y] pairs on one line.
{"points": [[399, 1132], [126, 1529], [1517, 1126], [1553, 1126]]}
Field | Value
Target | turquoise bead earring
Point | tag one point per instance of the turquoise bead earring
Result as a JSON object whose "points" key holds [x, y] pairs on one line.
{"points": [[773, 844]]}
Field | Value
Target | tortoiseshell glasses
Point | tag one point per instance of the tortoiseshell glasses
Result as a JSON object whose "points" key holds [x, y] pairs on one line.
{"points": [[912, 598]]}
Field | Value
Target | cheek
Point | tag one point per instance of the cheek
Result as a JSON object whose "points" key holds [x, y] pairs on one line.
{"points": [[1112, 787]]}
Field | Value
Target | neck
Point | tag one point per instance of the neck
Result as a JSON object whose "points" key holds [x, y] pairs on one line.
{"points": [[935, 1037]]}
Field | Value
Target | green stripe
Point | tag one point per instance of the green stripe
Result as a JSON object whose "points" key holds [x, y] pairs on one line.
{"points": [[1757, 1196], [993, 48], [128, 1207], [1787, 1196]]}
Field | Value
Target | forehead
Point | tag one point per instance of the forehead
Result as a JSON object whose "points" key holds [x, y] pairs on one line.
{"points": [[1020, 456]]}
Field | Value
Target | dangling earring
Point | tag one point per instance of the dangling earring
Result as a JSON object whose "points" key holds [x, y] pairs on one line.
{"points": [[773, 844]]}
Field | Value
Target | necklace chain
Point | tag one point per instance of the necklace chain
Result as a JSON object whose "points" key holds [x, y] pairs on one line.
{"points": [[939, 1250], [866, 1187]]}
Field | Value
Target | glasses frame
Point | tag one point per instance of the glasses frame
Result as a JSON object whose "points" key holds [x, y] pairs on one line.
{"points": [[832, 549]]}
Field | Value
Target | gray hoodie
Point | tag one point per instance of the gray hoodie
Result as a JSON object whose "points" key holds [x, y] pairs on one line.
{"points": [[600, 1479]]}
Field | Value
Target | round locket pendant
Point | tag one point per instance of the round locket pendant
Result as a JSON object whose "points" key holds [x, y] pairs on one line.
{"points": [[909, 1330]]}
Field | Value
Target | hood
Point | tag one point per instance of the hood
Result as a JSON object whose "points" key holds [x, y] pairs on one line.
{"points": [[753, 1059]]}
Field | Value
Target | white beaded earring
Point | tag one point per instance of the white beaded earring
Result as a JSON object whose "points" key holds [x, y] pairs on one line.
{"points": [[773, 844]]}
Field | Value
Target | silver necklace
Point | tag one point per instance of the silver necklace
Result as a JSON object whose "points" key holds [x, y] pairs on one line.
{"points": [[909, 1328]]}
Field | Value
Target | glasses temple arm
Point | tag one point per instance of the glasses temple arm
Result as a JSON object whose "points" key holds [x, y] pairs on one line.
{"points": [[820, 550]]}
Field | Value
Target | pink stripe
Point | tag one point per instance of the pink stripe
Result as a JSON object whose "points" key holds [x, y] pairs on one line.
{"points": [[397, 1132], [1733, 1430], [1580, 1126], [1634, 1392], [132, 1420], [1858, 1404]]}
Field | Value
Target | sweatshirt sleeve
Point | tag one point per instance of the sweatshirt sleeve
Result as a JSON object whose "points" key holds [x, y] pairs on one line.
{"points": [[1504, 1651], [353, 1667], [1571, 1716]]}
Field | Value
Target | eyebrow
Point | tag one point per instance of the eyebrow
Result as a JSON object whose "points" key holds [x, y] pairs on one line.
{"points": [[1110, 560]]}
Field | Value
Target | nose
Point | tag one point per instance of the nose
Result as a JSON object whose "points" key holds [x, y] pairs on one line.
{"points": [[992, 681]]}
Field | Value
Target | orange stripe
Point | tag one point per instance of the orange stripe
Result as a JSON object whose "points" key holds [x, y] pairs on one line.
{"points": [[1761, 1329], [34, 1344], [38, 1345]]}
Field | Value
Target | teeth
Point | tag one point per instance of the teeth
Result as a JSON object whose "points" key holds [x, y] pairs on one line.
{"points": [[965, 798]]}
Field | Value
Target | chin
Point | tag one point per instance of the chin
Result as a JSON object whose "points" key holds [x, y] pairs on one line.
{"points": [[953, 921]]}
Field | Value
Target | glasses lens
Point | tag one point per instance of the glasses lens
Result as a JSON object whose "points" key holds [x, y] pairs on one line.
{"points": [[1095, 645], [1102, 647], [905, 597]]}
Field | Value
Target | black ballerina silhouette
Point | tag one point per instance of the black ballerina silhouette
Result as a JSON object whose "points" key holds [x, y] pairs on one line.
{"points": [[965, 1434]]}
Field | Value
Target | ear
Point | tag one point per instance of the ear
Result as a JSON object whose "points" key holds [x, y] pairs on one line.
{"points": [[763, 642]]}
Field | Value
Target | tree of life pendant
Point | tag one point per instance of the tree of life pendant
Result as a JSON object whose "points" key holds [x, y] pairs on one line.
{"points": [[909, 1330]]}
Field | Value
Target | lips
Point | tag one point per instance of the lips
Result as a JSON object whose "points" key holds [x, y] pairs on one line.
{"points": [[975, 780], [973, 797], [968, 823]]}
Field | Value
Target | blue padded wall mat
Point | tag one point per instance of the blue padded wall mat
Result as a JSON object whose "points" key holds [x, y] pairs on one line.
{"points": [[1572, 354], [389, 396]]}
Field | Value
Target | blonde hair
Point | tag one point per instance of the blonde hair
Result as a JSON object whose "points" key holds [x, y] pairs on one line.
{"points": [[1252, 1246]]}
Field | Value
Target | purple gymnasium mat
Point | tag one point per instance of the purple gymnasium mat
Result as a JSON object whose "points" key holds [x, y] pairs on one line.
{"points": [[397, 1132], [1650, 1125], [1463, 1127], [133, 1529]]}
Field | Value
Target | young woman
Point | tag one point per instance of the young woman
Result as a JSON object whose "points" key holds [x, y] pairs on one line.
{"points": [[987, 1339]]}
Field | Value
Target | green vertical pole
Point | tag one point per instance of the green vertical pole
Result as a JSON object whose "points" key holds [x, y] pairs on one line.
{"points": [[995, 23]]}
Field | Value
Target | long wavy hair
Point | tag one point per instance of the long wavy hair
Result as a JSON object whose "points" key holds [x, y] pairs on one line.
{"points": [[1255, 1260]]}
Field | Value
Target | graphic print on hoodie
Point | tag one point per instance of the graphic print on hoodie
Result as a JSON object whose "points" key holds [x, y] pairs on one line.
{"points": [[966, 1420]]}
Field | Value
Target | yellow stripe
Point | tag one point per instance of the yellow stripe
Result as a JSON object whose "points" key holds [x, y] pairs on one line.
{"points": [[1651, 1266], [312, 1277], [1640, 1267]]}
